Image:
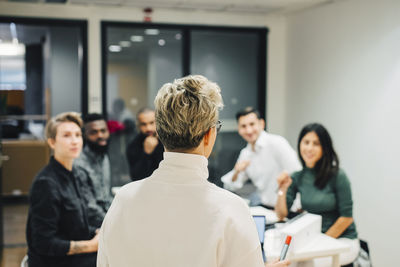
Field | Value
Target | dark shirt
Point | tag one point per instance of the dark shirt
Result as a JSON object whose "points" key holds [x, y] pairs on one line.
{"points": [[57, 215], [141, 164]]}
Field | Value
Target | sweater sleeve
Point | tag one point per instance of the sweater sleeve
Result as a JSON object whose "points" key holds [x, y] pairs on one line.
{"points": [[343, 194], [292, 190], [95, 211], [45, 216], [240, 245]]}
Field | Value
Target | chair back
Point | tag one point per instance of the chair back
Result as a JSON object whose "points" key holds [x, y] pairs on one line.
{"points": [[24, 262]]}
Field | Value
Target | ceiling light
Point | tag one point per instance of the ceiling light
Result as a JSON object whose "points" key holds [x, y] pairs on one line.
{"points": [[161, 42], [137, 38], [152, 31], [114, 48], [125, 43], [13, 30], [178, 36], [11, 49]]}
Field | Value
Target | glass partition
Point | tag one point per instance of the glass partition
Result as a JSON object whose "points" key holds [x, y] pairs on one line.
{"points": [[42, 73], [230, 59], [139, 61], [139, 58]]}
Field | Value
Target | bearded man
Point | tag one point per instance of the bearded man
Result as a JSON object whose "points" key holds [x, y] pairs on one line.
{"points": [[94, 163]]}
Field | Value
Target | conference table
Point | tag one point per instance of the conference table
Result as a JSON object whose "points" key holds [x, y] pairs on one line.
{"points": [[320, 245]]}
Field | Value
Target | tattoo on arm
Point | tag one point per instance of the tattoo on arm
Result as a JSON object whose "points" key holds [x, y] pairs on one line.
{"points": [[78, 247]]}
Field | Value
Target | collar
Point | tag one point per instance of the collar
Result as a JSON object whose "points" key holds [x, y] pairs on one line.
{"points": [[192, 166], [59, 168], [261, 142]]}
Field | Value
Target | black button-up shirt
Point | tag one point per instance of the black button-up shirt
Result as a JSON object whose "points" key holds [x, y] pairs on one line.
{"points": [[57, 215]]}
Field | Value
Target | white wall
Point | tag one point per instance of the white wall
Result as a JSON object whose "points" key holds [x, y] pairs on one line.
{"points": [[276, 74], [343, 70]]}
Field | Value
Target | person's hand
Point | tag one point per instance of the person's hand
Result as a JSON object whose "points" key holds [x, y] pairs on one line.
{"points": [[239, 167], [149, 144], [284, 181], [84, 246], [278, 263], [94, 242]]}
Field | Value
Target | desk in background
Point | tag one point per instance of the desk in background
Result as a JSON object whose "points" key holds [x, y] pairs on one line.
{"points": [[25, 158]]}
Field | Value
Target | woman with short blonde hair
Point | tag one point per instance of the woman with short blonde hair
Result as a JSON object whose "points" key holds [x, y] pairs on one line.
{"points": [[175, 217], [58, 233], [185, 110]]}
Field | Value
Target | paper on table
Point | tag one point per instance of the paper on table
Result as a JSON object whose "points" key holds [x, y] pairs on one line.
{"points": [[270, 215]]}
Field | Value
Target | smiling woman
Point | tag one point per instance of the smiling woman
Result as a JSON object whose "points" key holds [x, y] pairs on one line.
{"points": [[310, 149], [324, 188]]}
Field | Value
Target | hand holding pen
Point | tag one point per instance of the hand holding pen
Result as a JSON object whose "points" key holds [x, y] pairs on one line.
{"points": [[285, 247], [282, 262], [277, 263]]}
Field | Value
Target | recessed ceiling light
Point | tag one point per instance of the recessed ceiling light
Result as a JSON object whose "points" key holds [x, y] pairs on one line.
{"points": [[137, 38], [125, 43], [152, 31], [114, 48], [161, 42], [178, 36], [11, 49]]}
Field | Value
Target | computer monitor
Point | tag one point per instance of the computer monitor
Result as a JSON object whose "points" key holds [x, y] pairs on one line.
{"points": [[261, 224]]}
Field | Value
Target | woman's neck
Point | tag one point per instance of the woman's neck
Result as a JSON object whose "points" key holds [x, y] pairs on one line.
{"points": [[67, 163]]}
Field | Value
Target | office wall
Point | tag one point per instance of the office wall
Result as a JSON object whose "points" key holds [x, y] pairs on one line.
{"points": [[94, 14], [343, 69]]}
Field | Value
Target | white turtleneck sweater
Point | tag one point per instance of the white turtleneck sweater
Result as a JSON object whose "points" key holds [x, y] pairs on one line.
{"points": [[176, 218]]}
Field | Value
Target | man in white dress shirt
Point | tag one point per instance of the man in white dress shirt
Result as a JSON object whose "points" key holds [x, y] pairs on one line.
{"points": [[262, 160], [175, 217]]}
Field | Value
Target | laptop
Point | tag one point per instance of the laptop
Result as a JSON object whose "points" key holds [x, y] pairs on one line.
{"points": [[261, 224]]}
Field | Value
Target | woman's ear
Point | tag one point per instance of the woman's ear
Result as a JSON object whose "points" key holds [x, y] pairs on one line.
{"points": [[51, 142], [207, 136]]}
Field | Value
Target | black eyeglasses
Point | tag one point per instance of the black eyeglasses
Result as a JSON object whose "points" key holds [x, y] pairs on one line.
{"points": [[218, 126]]}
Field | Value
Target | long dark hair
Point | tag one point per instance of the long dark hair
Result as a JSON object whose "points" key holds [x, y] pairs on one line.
{"points": [[328, 165]]}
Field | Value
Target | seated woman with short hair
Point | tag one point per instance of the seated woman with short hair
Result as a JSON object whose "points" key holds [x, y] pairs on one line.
{"points": [[324, 189], [57, 232]]}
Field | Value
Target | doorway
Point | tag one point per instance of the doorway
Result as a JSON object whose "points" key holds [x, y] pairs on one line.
{"points": [[43, 72]]}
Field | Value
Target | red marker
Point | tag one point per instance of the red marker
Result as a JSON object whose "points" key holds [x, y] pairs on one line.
{"points": [[285, 247]]}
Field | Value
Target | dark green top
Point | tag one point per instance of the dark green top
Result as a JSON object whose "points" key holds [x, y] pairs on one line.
{"points": [[331, 202]]}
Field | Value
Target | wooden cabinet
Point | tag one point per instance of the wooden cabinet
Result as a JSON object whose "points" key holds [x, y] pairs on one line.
{"points": [[25, 160]]}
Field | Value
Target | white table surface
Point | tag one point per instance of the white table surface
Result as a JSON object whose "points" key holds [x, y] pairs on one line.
{"points": [[320, 246]]}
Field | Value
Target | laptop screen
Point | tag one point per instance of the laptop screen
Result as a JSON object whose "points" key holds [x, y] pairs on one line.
{"points": [[260, 224]]}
